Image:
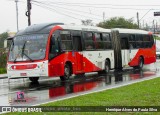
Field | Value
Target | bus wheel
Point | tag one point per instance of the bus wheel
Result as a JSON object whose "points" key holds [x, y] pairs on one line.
{"points": [[67, 73], [140, 66], [107, 67], [106, 70], [33, 79]]}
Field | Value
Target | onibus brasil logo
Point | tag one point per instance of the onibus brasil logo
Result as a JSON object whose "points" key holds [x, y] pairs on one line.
{"points": [[20, 97]]}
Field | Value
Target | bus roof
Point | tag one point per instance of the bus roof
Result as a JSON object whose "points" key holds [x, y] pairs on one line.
{"points": [[46, 27], [38, 28], [85, 28], [131, 31]]}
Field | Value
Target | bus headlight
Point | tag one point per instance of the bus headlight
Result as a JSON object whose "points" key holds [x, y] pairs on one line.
{"points": [[9, 67], [42, 69], [41, 66]]}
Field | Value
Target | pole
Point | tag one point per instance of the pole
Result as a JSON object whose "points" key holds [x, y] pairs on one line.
{"points": [[28, 13], [153, 27], [17, 14], [103, 16], [138, 19], [156, 26]]}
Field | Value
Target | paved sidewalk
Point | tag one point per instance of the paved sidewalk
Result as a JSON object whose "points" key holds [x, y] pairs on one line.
{"points": [[3, 76]]}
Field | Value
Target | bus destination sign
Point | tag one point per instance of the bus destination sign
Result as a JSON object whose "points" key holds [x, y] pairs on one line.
{"points": [[156, 13]]}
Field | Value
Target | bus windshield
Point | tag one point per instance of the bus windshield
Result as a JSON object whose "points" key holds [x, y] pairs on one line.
{"points": [[28, 47]]}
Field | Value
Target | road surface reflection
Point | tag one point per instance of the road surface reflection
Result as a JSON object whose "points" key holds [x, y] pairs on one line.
{"points": [[52, 90]]}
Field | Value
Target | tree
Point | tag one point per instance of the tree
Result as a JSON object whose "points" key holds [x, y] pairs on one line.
{"points": [[118, 22], [3, 36], [87, 22], [3, 55]]}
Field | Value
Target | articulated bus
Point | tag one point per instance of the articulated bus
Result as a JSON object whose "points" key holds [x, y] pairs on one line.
{"points": [[50, 50], [133, 48]]}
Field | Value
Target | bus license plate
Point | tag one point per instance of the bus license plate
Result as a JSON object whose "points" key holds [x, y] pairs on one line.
{"points": [[23, 74]]}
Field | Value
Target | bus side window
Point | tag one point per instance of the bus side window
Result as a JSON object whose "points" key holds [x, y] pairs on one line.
{"points": [[66, 40], [146, 41], [54, 45], [98, 41], [139, 41], [77, 40], [106, 41], [124, 41], [89, 41], [151, 40], [132, 42]]}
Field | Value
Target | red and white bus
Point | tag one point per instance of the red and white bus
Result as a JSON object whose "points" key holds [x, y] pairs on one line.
{"points": [[133, 48], [62, 50]]}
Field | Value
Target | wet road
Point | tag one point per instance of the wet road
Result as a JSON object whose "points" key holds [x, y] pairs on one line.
{"points": [[22, 92]]}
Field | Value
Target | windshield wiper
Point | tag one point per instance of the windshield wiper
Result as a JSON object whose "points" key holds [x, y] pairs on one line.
{"points": [[23, 53], [20, 52], [23, 48], [28, 56]]}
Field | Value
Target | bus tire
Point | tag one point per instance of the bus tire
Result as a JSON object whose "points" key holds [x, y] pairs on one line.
{"points": [[140, 66], [107, 67], [33, 79], [100, 72], [67, 73]]}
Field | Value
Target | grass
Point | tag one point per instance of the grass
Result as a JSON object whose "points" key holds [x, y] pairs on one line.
{"points": [[146, 93], [3, 70]]}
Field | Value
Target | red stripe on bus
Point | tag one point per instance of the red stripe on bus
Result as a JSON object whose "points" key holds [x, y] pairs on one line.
{"points": [[23, 67], [148, 54]]}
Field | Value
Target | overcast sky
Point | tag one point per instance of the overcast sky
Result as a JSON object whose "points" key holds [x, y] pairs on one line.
{"points": [[73, 11]]}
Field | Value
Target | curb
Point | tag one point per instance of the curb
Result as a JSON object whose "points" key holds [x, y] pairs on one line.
{"points": [[3, 76]]}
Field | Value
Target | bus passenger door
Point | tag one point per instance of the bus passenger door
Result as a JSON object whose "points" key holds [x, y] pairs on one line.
{"points": [[125, 52], [78, 54]]}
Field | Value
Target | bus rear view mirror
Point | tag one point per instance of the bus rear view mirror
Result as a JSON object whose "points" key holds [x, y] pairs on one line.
{"points": [[5, 43], [7, 40]]}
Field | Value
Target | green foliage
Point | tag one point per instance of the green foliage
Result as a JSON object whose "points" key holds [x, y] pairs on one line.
{"points": [[3, 54], [3, 70], [3, 36], [156, 37], [3, 59], [118, 22]]}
